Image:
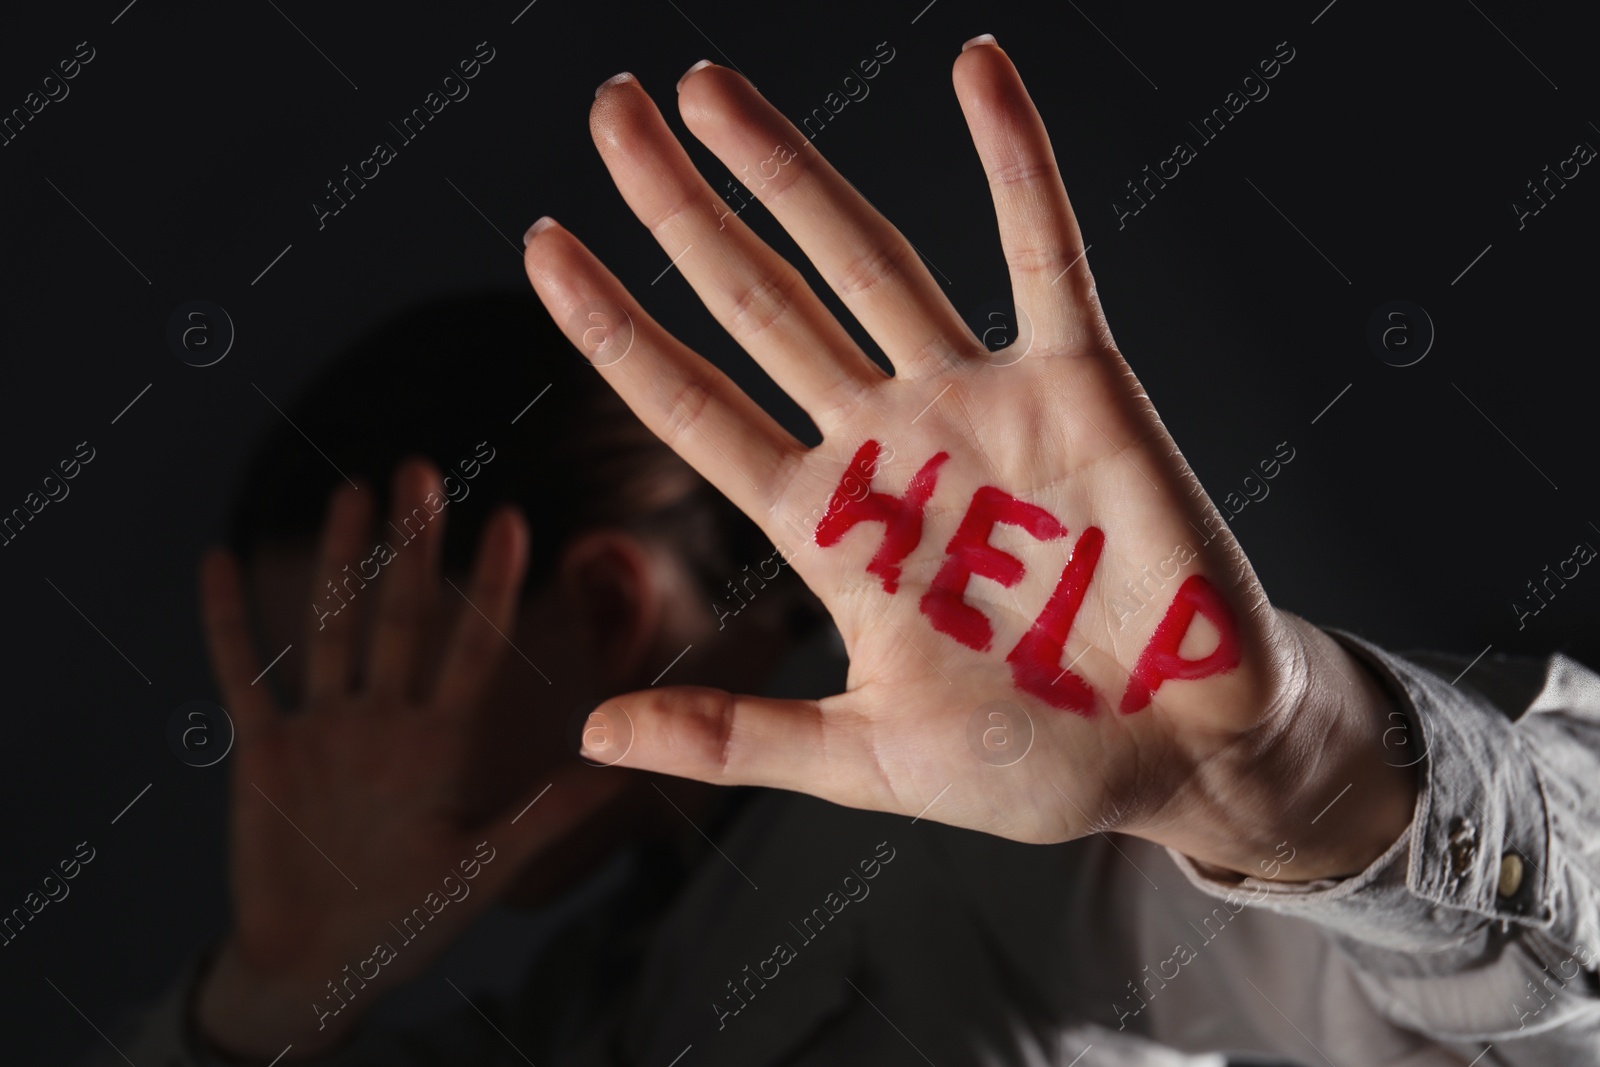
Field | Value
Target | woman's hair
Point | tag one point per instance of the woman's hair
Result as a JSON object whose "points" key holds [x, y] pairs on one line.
{"points": [[452, 379]]}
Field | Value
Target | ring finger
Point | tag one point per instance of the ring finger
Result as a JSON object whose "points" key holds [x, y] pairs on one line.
{"points": [[757, 295], [870, 265]]}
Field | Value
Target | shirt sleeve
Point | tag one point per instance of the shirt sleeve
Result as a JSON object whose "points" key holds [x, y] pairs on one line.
{"points": [[1480, 922]]}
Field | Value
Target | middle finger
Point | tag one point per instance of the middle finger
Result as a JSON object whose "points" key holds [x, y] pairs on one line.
{"points": [[864, 259], [757, 296]]}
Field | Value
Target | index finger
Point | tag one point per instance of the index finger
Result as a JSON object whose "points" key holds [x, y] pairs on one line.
{"points": [[684, 400]]}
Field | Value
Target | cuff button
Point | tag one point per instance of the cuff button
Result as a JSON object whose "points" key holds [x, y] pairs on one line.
{"points": [[1510, 875]]}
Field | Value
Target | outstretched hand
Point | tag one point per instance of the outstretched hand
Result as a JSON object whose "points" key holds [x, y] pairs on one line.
{"points": [[970, 522], [355, 812]]}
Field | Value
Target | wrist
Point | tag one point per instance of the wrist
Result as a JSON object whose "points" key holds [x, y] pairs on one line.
{"points": [[245, 1016], [1322, 791]]}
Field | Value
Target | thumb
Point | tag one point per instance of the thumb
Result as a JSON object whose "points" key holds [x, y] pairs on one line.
{"points": [[818, 747]]}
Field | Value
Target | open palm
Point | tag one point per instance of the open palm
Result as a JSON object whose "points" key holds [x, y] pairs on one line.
{"points": [[970, 522], [357, 811]]}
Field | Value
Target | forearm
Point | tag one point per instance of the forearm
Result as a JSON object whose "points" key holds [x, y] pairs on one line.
{"points": [[1480, 923]]}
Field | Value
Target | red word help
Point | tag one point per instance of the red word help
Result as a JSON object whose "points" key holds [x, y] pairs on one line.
{"points": [[1036, 660]]}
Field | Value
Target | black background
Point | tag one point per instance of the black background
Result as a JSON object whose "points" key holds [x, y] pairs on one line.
{"points": [[199, 135]]}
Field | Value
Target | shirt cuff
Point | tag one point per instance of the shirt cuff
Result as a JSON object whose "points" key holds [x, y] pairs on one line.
{"points": [[1478, 844]]}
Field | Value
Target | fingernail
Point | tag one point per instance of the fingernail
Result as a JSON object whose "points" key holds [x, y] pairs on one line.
{"points": [[596, 733], [702, 65], [982, 38], [615, 79], [542, 223]]}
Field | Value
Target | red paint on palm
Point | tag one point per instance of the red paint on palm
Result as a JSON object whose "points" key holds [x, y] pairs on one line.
{"points": [[1036, 661], [970, 553], [901, 516], [1160, 661]]}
